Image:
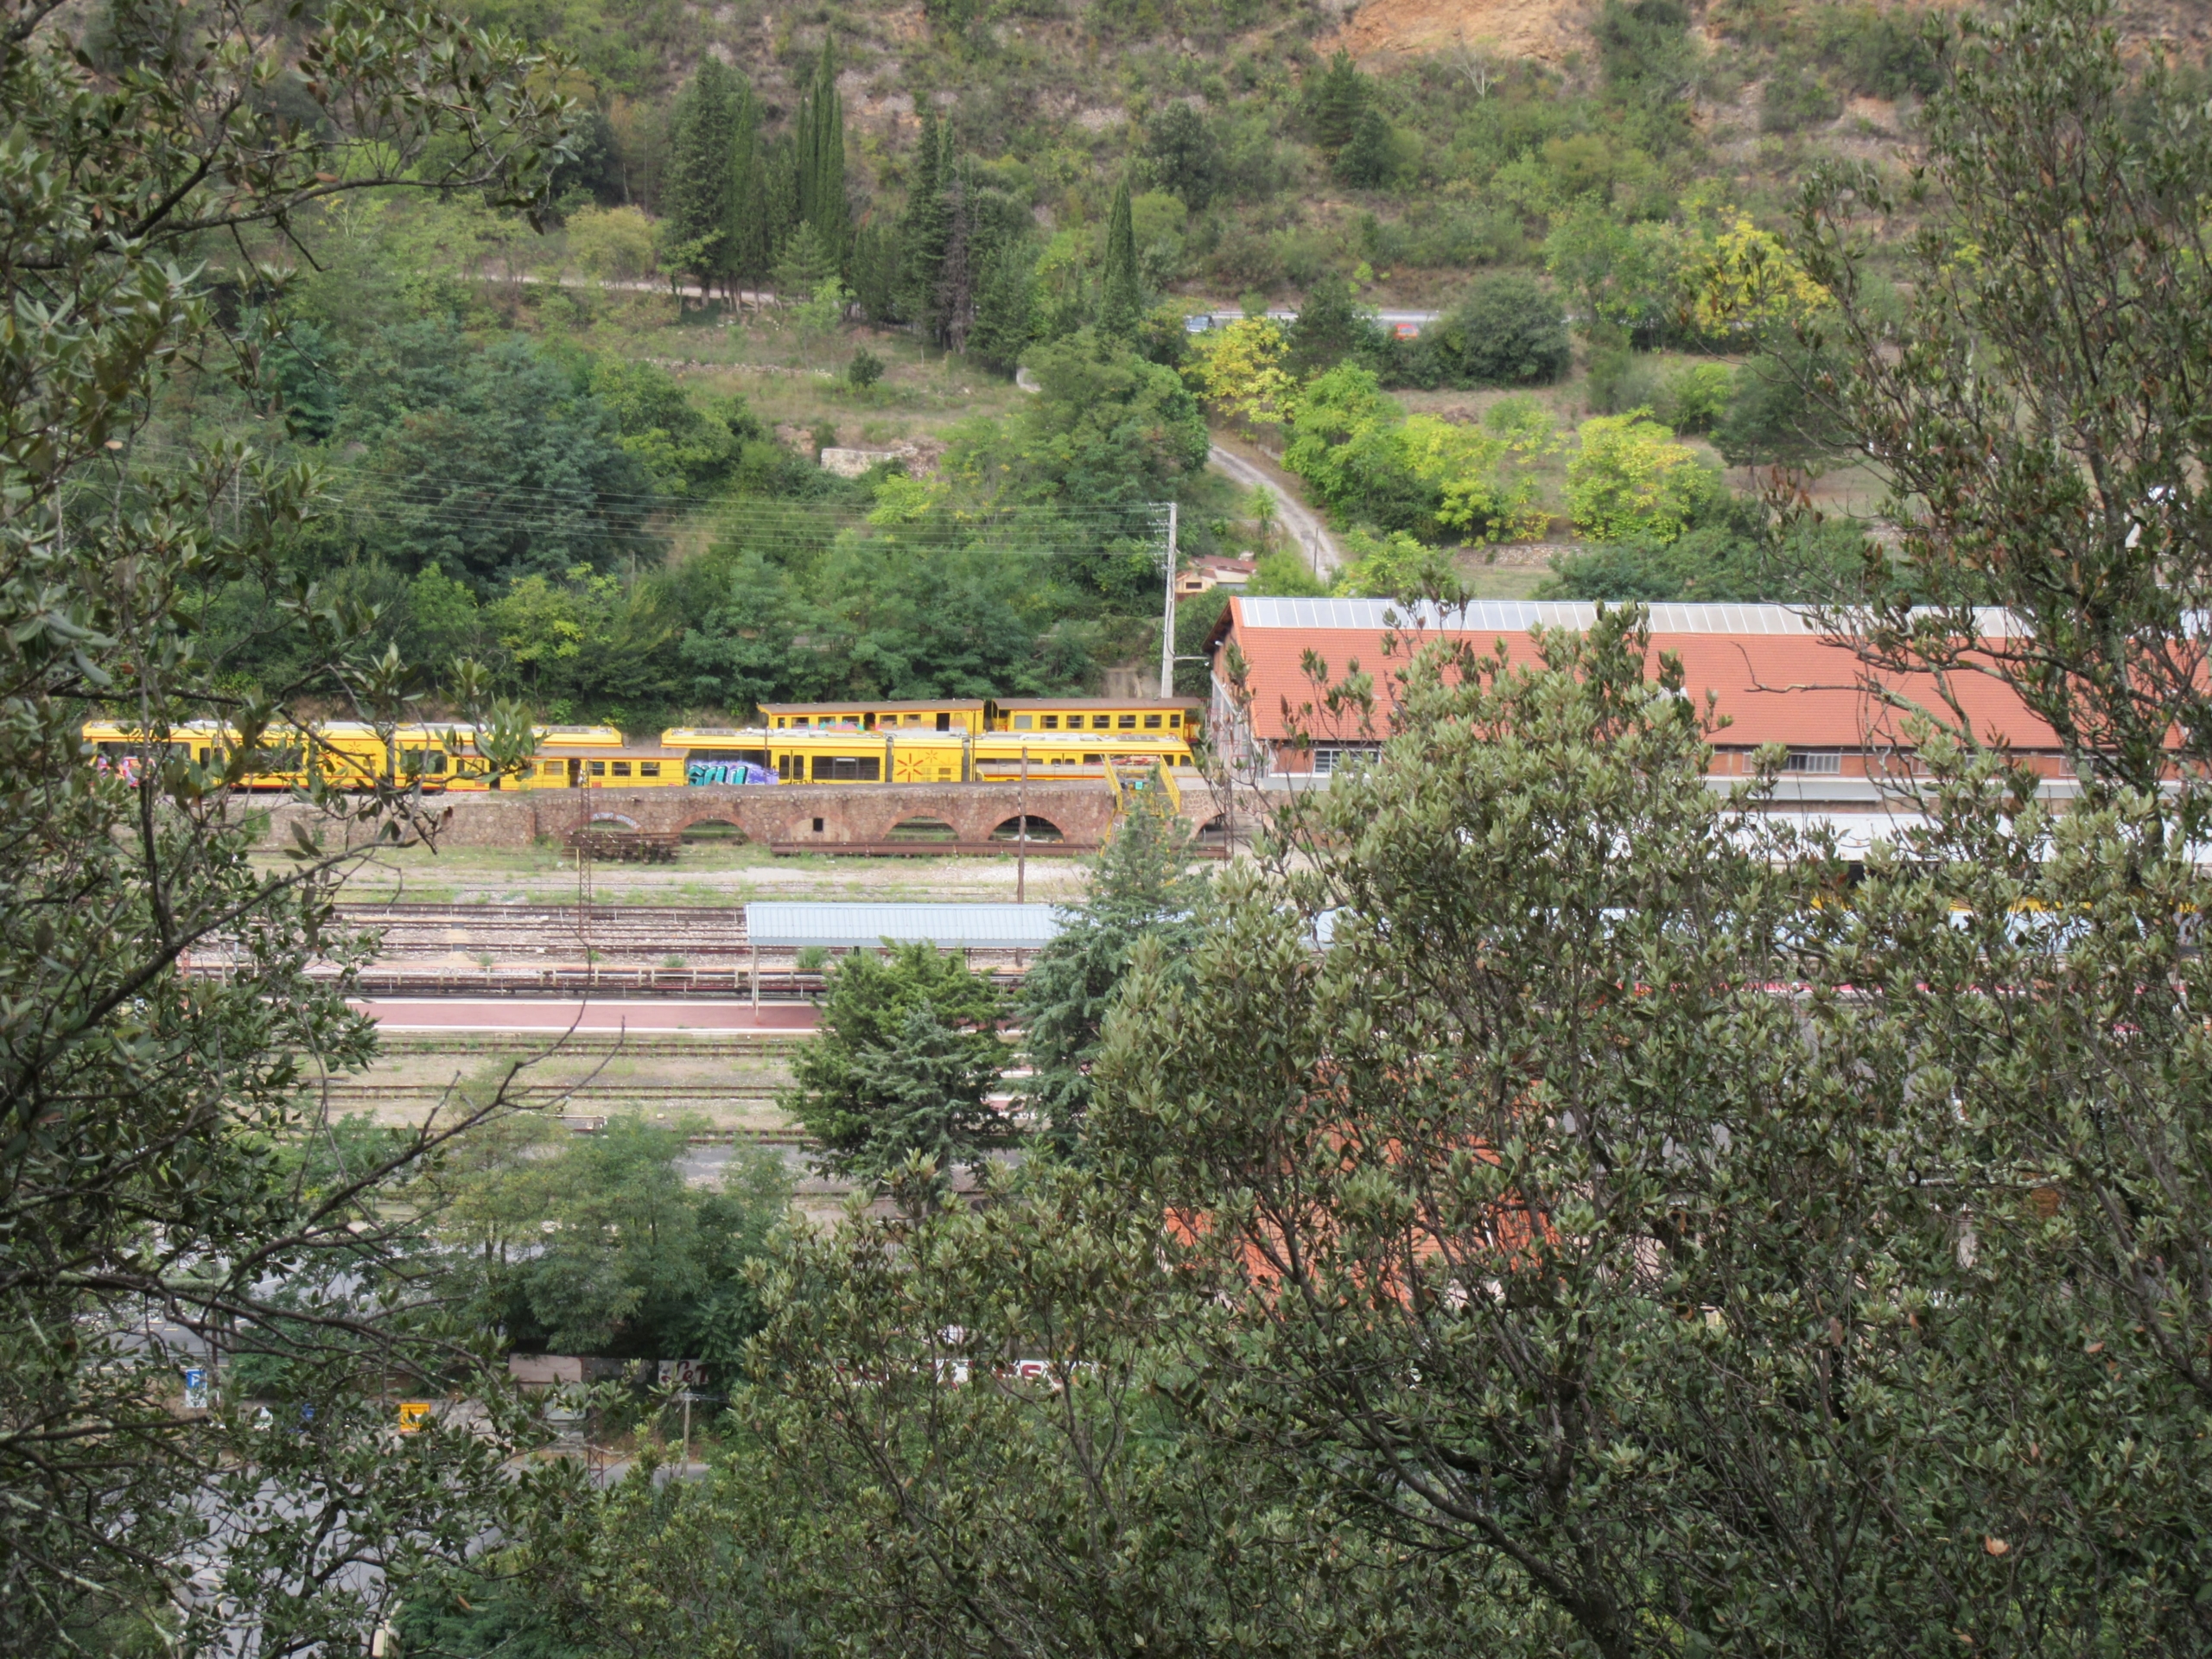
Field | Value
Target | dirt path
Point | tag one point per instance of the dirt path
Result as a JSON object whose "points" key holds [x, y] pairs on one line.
{"points": [[1306, 531]]}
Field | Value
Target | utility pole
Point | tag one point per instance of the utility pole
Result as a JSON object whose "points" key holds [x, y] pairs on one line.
{"points": [[1021, 833], [1167, 622]]}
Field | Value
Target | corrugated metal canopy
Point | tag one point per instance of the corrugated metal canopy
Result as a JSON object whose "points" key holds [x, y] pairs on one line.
{"points": [[853, 927], [1517, 616]]}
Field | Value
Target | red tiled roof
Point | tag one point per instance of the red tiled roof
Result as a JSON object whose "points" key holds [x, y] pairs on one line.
{"points": [[1796, 690]]}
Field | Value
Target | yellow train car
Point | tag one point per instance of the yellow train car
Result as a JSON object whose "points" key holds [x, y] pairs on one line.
{"points": [[1001, 757], [354, 754], [1120, 716], [854, 755], [948, 714]]}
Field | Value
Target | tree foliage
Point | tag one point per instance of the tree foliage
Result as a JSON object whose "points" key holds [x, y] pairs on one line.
{"points": [[157, 1209], [908, 1052]]}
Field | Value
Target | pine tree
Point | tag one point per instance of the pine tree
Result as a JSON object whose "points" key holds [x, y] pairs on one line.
{"points": [[702, 184], [1335, 102], [803, 265], [925, 230], [956, 281], [1005, 308], [819, 135], [1120, 296], [876, 273]]}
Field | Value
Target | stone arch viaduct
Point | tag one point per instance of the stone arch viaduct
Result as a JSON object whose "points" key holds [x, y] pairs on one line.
{"points": [[796, 815]]}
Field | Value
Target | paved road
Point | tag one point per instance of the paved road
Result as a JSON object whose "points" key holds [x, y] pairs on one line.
{"points": [[1305, 528], [552, 1014]]}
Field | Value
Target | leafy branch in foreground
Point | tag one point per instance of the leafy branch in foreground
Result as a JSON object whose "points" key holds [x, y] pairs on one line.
{"points": [[151, 1120]]}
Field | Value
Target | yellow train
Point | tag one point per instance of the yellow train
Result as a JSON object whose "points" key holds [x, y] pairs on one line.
{"points": [[944, 742], [1157, 716], [887, 754], [354, 754]]}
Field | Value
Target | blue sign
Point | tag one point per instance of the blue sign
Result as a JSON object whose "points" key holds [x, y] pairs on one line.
{"points": [[195, 1389]]}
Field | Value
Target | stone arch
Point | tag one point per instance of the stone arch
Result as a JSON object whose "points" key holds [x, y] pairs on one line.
{"points": [[608, 819], [921, 829], [714, 824], [1040, 829]]}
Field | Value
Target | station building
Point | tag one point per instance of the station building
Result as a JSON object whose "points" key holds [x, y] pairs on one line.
{"points": [[1775, 679]]}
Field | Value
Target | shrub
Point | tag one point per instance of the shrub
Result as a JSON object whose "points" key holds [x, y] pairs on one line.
{"points": [[1631, 481], [1508, 331], [1185, 156], [1795, 97], [864, 371], [1695, 397]]}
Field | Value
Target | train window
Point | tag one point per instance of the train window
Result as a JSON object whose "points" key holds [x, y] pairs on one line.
{"points": [[1021, 722], [551, 768], [648, 768], [1099, 722], [1127, 722], [599, 768], [1094, 759], [1051, 722], [622, 768], [1152, 723], [418, 761], [1173, 720]]}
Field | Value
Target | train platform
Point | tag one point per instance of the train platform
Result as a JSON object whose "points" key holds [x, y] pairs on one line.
{"points": [[554, 1015]]}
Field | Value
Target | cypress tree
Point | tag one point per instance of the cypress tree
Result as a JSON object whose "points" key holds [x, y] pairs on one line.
{"points": [[819, 134], [702, 186], [956, 281], [876, 273], [1120, 297], [925, 230], [1005, 308]]}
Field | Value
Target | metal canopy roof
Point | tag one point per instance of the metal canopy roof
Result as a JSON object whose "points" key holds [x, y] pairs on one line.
{"points": [[1516, 616], [854, 927]]}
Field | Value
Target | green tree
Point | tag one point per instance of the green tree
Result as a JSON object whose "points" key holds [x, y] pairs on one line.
{"points": [[1185, 154], [819, 135], [596, 1244], [1107, 428], [1508, 331], [1332, 325], [1005, 306], [493, 461], [1630, 479], [155, 1197], [1142, 887], [1120, 292], [926, 228], [1335, 100], [1778, 413], [710, 139], [1369, 158], [908, 1052]]}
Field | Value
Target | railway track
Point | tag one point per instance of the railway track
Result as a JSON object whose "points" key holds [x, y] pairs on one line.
{"points": [[584, 1045], [382, 1094], [660, 950]]}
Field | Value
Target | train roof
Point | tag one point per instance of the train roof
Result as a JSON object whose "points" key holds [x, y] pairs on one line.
{"points": [[1101, 702], [870, 707]]}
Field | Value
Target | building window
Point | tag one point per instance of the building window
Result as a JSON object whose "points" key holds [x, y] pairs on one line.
{"points": [[817, 826], [1328, 760], [1152, 723], [1826, 762]]}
